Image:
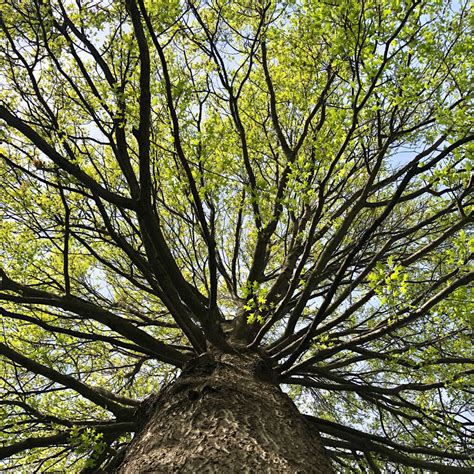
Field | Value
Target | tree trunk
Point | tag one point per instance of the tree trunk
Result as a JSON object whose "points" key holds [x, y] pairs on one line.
{"points": [[224, 414]]}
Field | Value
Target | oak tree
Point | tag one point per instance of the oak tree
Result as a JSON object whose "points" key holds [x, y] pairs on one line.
{"points": [[213, 212]]}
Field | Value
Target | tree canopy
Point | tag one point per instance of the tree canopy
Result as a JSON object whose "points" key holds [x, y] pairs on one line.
{"points": [[293, 177]]}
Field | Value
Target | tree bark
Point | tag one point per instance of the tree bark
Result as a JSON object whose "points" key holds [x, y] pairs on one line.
{"points": [[224, 414]]}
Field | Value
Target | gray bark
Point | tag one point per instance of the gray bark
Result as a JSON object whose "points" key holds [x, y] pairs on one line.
{"points": [[224, 414]]}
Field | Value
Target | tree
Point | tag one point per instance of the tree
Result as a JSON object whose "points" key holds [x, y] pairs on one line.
{"points": [[209, 205]]}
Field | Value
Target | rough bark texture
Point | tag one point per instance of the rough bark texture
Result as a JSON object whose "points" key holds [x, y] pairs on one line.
{"points": [[224, 414]]}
